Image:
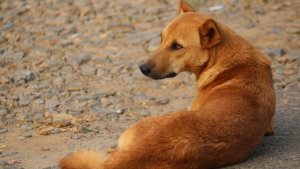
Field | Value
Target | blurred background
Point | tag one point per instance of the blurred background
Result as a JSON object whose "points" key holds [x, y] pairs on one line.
{"points": [[71, 65]]}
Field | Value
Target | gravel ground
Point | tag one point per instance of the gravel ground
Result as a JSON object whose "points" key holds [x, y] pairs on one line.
{"points": [[69, 76]]}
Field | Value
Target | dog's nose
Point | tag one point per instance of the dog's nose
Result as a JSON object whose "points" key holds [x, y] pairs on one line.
{"points": [[145, 69]]}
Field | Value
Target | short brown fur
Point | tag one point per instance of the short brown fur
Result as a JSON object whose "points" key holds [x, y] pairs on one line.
{"points": [[233, 108]]}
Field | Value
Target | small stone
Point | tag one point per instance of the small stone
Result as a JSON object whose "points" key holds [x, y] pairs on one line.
{"points": [[3, 131], [113, 116], [45, 130], [75, 110], [43, 157], [75, 137], [2, 137], [56, 131], [89, 136], [23, 75], [3, 112], [115, 136], [88, 70], [78, 60], [260, 11], [163, 100], [85, 97], [75, 86], [4, 88], [27, 135], [60, 122], [275, 52], [3, 163], [24, 101], [52, 103], [251, 25], [44, 148], [2, 146], [23, 117], [140, 97], [5, 80]]}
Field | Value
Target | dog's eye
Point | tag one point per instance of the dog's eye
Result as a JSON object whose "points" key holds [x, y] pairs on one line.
{"points": [[176, 46]]}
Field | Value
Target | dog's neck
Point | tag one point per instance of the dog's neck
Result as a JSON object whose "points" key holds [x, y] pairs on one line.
{"points": [[226, 55]]}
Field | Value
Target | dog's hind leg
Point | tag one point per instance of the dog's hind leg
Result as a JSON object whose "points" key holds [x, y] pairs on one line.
{"points": [[270, 130]]}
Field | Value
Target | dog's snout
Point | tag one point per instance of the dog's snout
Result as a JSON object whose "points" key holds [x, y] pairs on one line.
{"points": [[145, 69]]}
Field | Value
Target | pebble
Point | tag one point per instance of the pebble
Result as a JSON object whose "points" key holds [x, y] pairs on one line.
{"points": [[24, 101], [260, 11], [27, 135], [23, 117], [3, 112], [52, 103], [56, 131], [2, 137], [140, 97], [275, 52], [60, 122], [23, 75]]}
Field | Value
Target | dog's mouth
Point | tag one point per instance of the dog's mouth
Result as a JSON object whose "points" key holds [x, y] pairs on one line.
{"points": [[170, 75], [173, 74]]}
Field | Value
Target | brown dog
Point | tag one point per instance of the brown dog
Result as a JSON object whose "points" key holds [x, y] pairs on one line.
{"points": [[233, 108]]}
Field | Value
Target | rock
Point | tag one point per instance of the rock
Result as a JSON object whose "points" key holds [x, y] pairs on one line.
{"points": [[61, 122], [3, 112], [2, 146], [5, 80], [75, 86], [3, 121], [85, 97], [24, 101], [45, 130], [152, 10], [1, 138], [115, 136], [23, 117], [76, 137], [38, 118], [27, 135], [52, 103], [140, 97], [56, 131], [251, 25], [3, 131], [44, 148], [260, 11], [163, 100], [78, 60], [3, 163], [23, 75], [75, 110], [3, 88], [275, 52], [88, 70], [113, 116], [87, 135]]}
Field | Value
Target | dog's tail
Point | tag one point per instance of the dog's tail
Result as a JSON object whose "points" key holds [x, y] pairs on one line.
{"points": [[83, 159]]}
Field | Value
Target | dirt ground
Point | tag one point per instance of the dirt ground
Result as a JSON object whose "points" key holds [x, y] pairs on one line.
{"points": [[69, 76]]}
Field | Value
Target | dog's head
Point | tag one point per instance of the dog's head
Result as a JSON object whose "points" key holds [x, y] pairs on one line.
{"points": [[185, 43]]}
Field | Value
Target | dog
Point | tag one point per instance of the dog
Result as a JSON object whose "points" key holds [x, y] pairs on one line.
{"points": [[232, 111]]}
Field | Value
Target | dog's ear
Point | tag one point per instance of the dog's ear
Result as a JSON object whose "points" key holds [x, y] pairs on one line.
{"points": [[210, 34], [184, 7]]}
